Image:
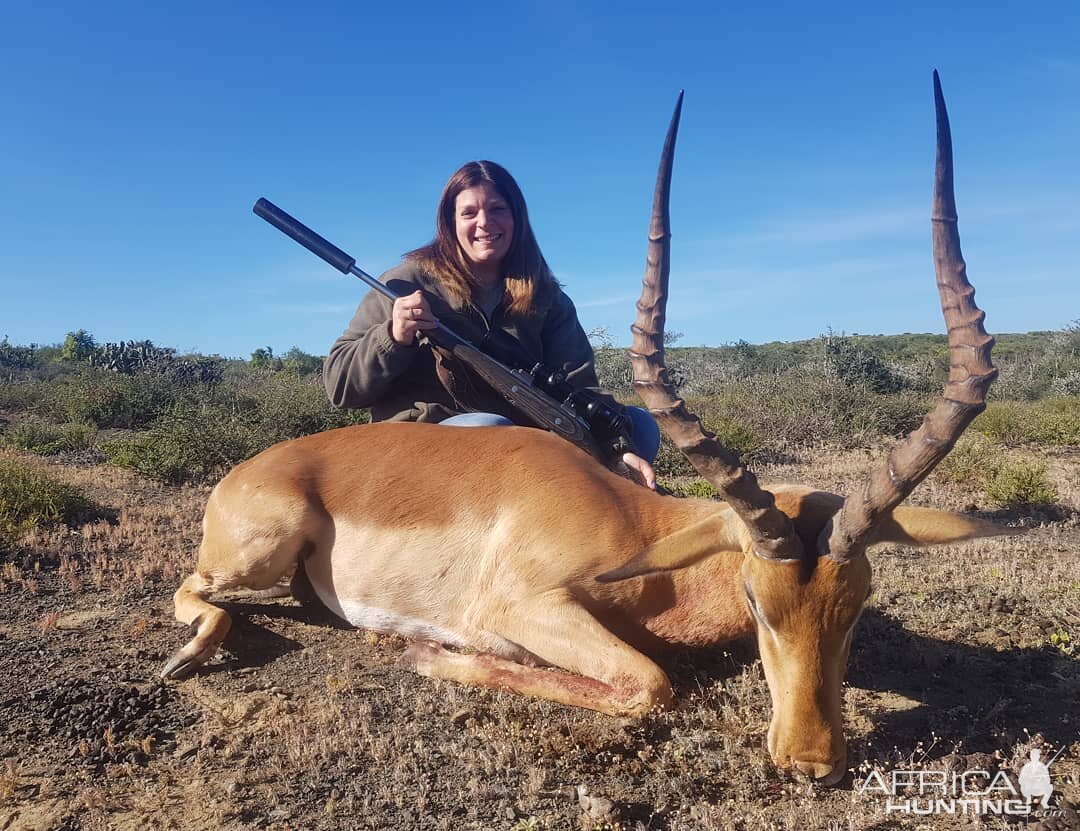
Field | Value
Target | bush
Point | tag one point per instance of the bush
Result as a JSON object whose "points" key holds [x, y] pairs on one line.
{"points": [[1052, 422], [30, 497], [698, 488], [853, 364], [284, 406], [798, 408], [1005, 422], [202, 436], [970, 461], [299, 362], [1009, 482], [1056, 421], [1067, 384], [766, 414], [107, 399], [21, 396], [186, 443], [1017, 483], [735, 435], [49, 439], [78, 346], [143, 357], [16, 357]]}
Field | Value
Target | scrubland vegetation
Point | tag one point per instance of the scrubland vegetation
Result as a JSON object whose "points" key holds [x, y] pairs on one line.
{"points": [[964, 658]]}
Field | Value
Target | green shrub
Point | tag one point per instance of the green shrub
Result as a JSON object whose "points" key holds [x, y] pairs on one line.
{"points": [[107, 399], [847, 360], [696, 488], [765, 414], [1004, 421], [1050, 422], [1016, 483], [30, 497], [210, 430], [1067, 384], [21, 396], [794, 409], [735, 435], [1056, 421], [48, 439], [284, 406], [16, 357], [299, 362], [78, 346], [732, 433], [971, 461], [979, 463], [186, 443]]}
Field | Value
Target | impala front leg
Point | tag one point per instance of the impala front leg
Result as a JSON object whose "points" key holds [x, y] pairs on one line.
{"points": [[591, 668]]}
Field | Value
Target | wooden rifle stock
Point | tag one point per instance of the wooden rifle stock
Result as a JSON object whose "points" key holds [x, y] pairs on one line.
{"points": [[533, 404]]}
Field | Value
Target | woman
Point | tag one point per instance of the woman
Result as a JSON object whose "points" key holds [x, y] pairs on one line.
{"points": [[483, 276]]}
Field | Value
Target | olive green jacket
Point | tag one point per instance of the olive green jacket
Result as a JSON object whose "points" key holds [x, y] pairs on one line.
{"points": [[367, 368]]}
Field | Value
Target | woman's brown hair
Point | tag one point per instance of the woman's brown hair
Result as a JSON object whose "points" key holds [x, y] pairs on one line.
{"points": [[528, 279]]}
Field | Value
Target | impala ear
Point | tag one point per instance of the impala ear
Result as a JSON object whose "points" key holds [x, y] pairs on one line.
{"points": [[718, 532], [928, 526]]}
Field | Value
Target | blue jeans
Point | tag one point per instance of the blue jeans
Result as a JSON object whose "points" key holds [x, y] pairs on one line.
{"points": [[646, 430]]}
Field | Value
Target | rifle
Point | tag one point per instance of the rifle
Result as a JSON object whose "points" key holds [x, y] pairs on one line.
{"points": [[522, 390]]}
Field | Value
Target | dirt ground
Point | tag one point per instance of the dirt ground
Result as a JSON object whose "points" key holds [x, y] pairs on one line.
{"points": [[960, 663]]}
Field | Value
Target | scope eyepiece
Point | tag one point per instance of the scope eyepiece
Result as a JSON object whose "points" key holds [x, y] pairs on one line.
{"points": [[606, 423]]}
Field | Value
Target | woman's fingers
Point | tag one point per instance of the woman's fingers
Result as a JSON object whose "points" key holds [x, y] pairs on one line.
{"points": [[411, 315], [642, 467]]}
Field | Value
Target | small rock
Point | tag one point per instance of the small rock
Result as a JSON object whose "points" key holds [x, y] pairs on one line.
{"points": [[596, 807]]}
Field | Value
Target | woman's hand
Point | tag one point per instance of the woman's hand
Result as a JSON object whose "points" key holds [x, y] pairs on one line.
{"points": [[410, 317], [641, 468]]}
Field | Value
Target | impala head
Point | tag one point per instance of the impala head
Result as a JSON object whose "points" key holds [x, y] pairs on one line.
{"points": [[805, 611], [805, 572]]}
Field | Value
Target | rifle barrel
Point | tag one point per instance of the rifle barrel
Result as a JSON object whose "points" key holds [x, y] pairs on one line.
{"points": [[326, 250]]}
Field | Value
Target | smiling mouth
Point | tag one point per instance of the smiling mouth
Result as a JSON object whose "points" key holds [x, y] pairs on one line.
{"points": [[488, 239]]}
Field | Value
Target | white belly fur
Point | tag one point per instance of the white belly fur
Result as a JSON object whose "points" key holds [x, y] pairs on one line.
{"points": [[367, 566], [388, 622]]}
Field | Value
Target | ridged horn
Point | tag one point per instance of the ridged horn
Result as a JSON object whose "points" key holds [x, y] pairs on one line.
{"points": [[970, 375], [771, 531]]}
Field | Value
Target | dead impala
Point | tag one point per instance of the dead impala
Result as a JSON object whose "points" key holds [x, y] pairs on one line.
{"points": [[467, 553]]}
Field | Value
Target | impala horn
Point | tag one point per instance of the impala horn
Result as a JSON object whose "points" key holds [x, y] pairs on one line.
{"points": [[970, 375], [770, 529]]}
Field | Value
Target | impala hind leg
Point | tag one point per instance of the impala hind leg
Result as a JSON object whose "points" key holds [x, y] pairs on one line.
{"points": [[591, 667], [210, 625], [232, 556]]}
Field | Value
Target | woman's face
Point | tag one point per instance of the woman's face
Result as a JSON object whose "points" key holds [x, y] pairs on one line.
{"points": [[484, 224]]}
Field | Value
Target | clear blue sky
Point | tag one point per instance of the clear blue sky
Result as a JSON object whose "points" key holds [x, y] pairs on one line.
{"points": [[136, 136]]}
